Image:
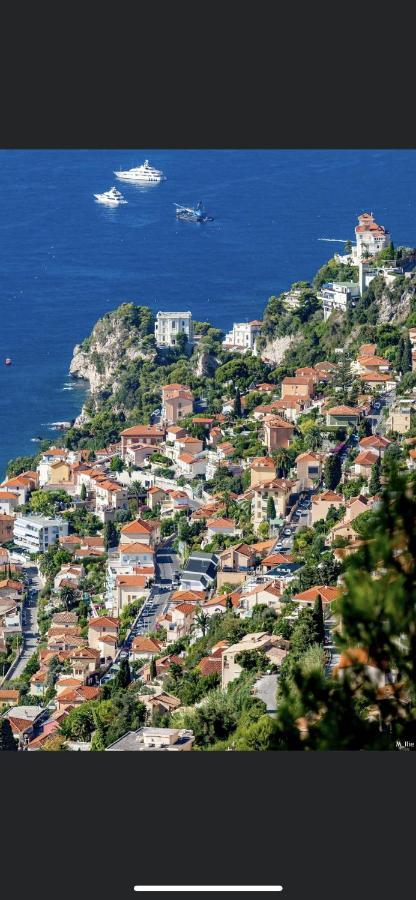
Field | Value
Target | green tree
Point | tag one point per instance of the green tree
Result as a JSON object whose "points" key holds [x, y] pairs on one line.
{"points": [[67, 596], [7, 741], [83, 492], [136, 491], [252, 660], [237, 404], [332, 471], [406, 360], [123, 677], [313, 439], [378, 624], [153, 669], [318, 618], [201, 622], [116, 464], [110, 535], [374, 485], [271, 509]]}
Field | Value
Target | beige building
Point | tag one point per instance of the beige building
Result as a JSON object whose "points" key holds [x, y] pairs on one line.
{"points": [[59, 472], [364, 462], [277, 432], [262, 469], [260, 640], [151, 435], [130, 588], [177, 402], [239, 558], [308, 470], [101, 625], [178, 621], [399, 420], [297, 386], [84, 662], [322, 503], [280, 489], [143, 531], [155, 497]]}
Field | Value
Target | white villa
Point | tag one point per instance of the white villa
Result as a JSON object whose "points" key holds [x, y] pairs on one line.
{"points": [[169, 324]]}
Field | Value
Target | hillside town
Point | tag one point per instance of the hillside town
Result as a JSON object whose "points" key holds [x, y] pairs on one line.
{"points": [[157, 592]]}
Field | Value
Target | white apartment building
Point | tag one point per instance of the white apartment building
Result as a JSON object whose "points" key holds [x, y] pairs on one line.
{"points": [[338, 295], [169, 324], [37, 533], [243, 336]]}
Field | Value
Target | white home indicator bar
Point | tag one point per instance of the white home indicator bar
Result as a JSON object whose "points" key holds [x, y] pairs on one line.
{"points": [[207, 887]]}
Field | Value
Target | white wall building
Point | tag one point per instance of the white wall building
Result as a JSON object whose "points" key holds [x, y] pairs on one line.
{"points": [[243, 336], [169, 324], [37, 533], [338, 295]]}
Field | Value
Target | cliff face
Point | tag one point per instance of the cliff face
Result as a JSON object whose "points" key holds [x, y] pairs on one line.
{"points": [[395, 306], [206, 364], [120, 337], [275, 349]]}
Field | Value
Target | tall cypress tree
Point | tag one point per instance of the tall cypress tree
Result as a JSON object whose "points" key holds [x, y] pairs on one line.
{"points": [[237, 404], [7, 741], [406, 361], [318, 620], [271, 509], [332, 471], [124, 676], [153, 669], [374, 483]]}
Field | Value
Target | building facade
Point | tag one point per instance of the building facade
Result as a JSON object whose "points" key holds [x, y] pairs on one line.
{"points": [[169, 325], [37, 533]]}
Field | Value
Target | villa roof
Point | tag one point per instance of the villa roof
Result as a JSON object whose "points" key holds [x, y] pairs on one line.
{"points": [[366, 458], [343, 410], [145, 430], [103, 621], [139, 526], [328, 594], [263, 462], [135, 547], [328, 497]]}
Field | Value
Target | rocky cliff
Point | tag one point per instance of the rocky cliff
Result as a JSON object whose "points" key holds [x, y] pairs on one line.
{"points": [[121, 337]]}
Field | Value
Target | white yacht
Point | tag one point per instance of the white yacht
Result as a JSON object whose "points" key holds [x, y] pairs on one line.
{"points": [[144, 174], [113, 197]]}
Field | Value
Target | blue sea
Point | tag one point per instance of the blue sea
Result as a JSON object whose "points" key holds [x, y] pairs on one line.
{"points": [[65, 260]]}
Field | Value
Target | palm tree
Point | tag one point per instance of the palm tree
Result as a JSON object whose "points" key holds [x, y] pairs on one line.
{"points": [[282, 461], [68, 596], [136, 489], [201, 622]]}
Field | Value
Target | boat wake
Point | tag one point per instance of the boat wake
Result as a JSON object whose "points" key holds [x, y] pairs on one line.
{"points": [[333, 240]]}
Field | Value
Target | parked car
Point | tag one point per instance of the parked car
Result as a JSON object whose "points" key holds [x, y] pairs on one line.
{"points": [[287, 532]]}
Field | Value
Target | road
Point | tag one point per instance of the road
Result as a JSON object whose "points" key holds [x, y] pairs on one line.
{"points": [[30, 623], [166, 565], [266, 690]]}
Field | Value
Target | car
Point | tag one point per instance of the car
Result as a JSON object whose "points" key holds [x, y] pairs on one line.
{"points": [[287, 532], [124, 654]]}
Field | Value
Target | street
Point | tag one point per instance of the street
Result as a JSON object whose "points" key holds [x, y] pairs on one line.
{"points": [[167, 564], [29, 623]]}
